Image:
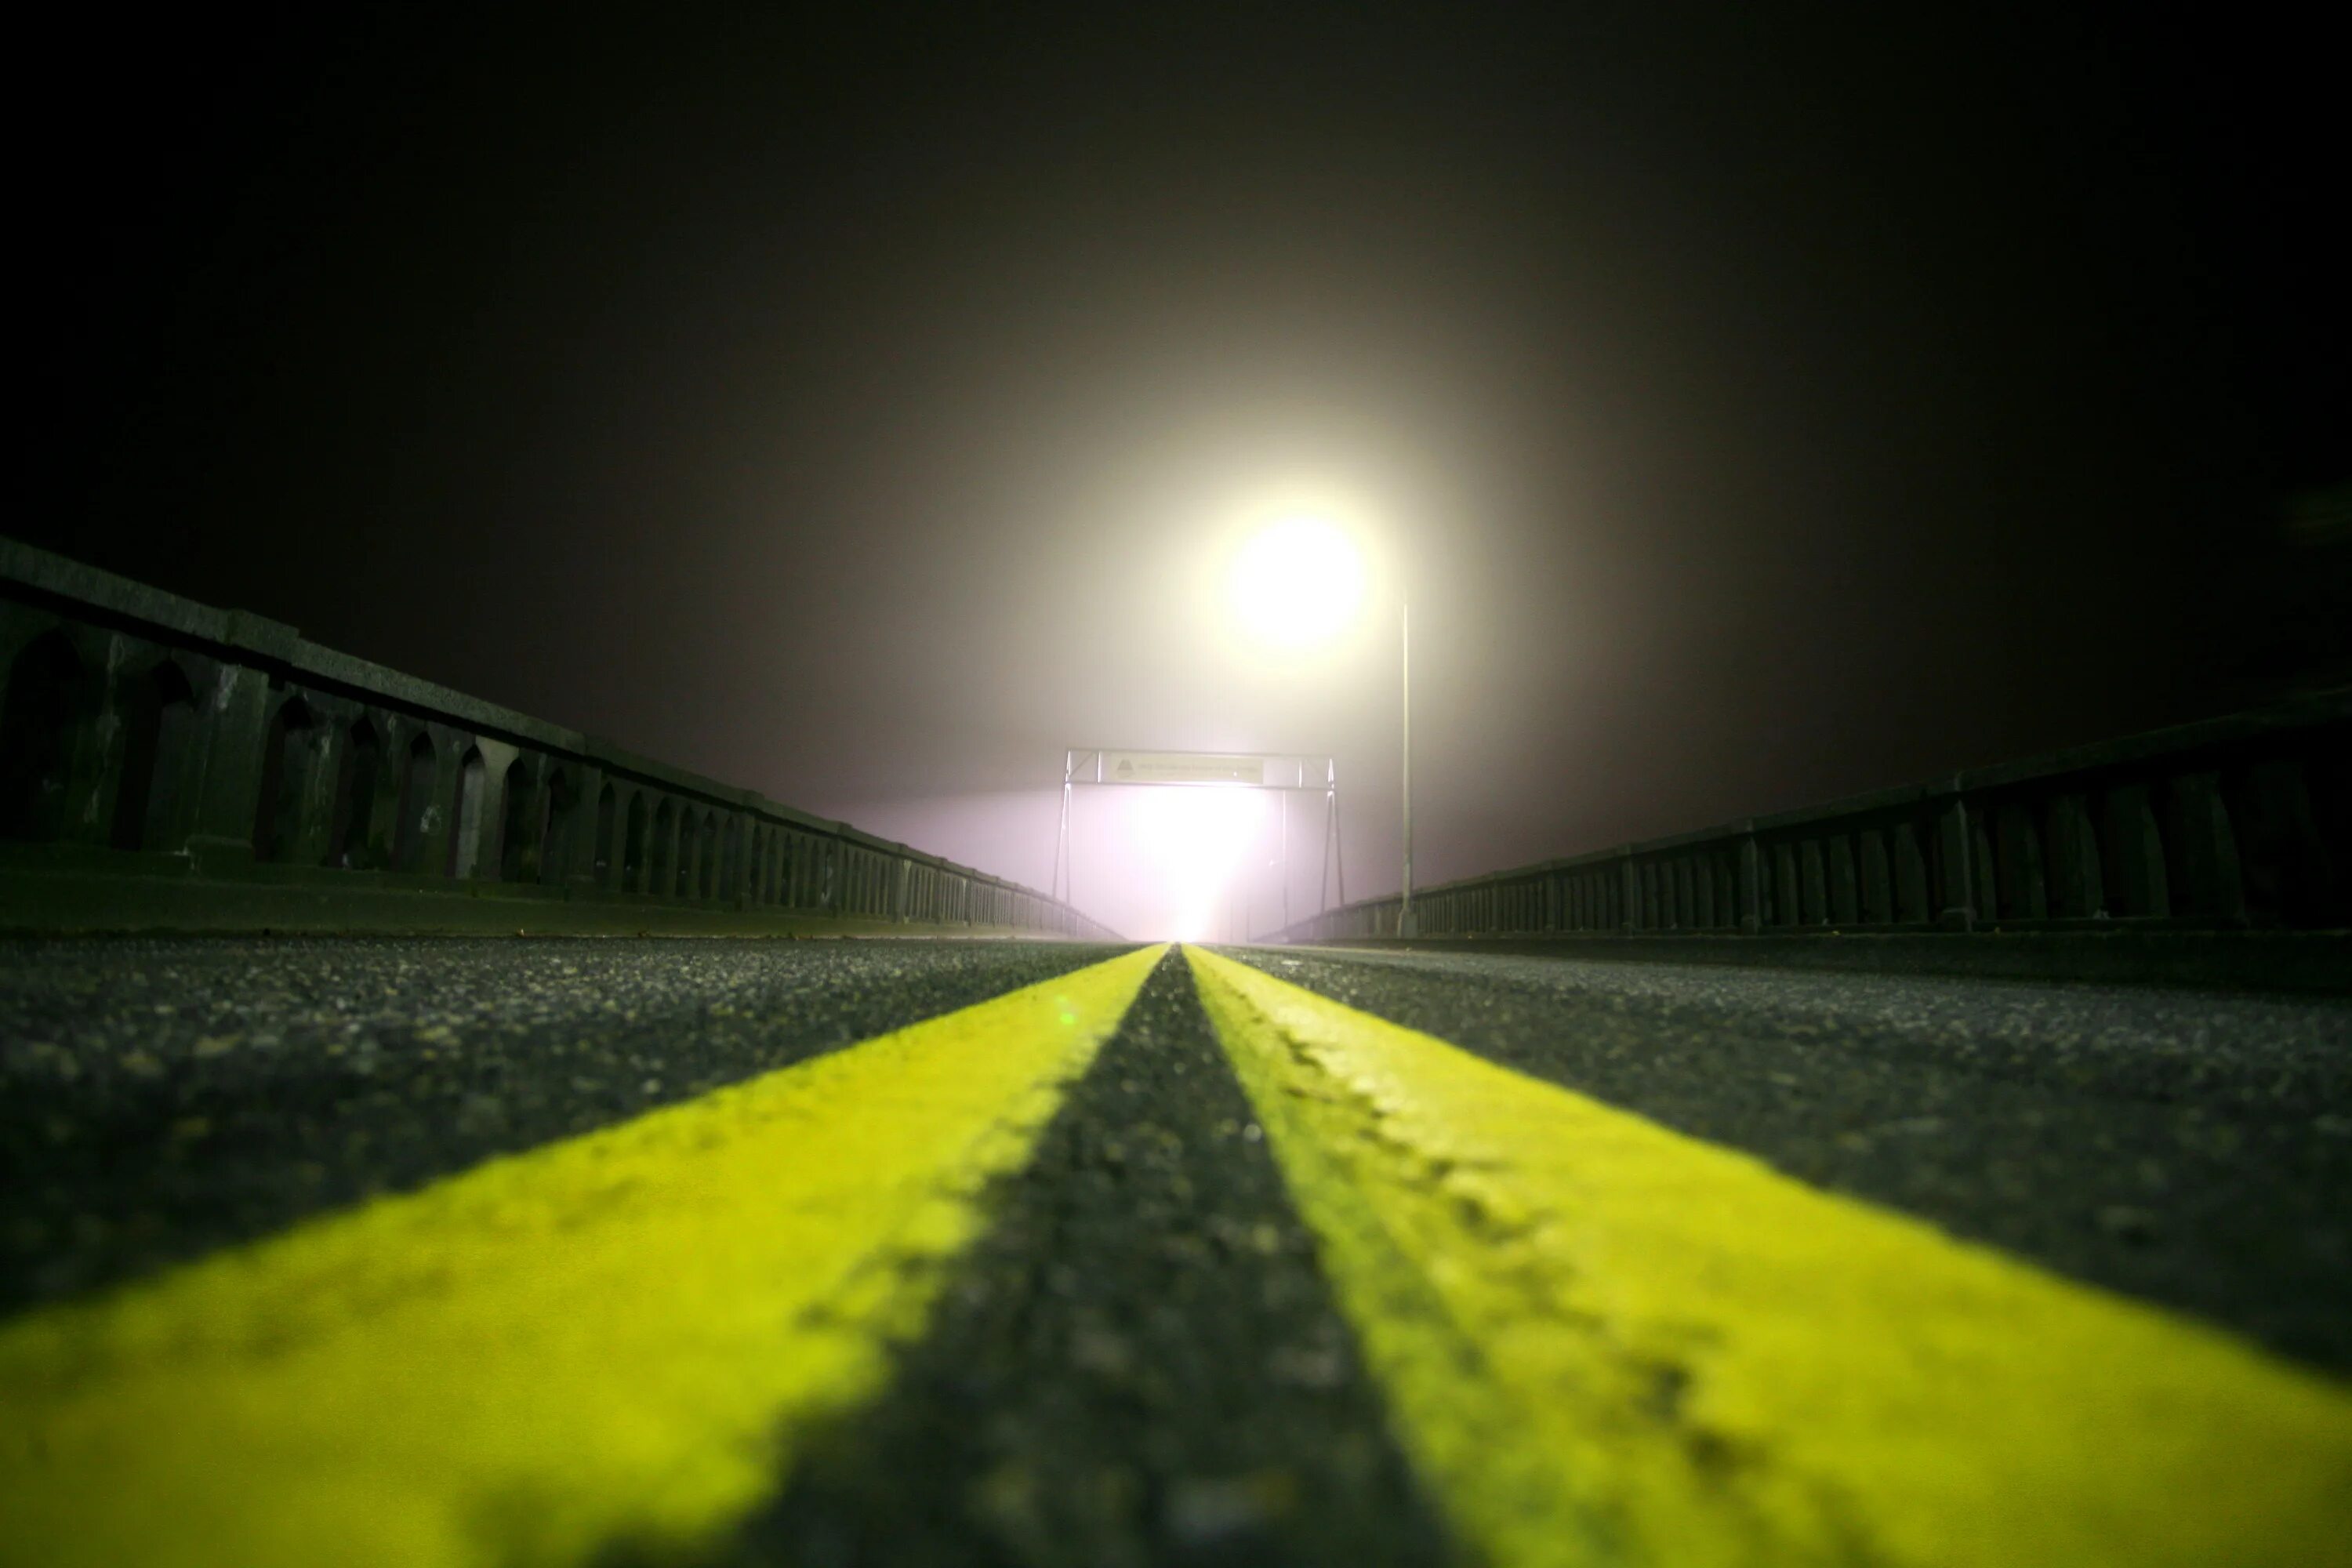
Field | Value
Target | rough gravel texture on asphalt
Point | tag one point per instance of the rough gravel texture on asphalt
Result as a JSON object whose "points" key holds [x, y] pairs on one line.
{"points": [[1141, 1363], [162, 1097], [2191, 1148]]}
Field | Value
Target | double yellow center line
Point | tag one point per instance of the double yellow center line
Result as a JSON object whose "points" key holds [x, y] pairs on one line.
{"points": [[1600, 1342], [610, 1340], [1603, 1342]]}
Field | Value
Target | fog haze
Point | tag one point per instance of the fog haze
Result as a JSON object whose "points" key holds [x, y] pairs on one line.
{"points": [[1755, 410]]}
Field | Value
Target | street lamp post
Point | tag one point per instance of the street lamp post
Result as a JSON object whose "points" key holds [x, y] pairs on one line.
{"points": [[1406, 924]]}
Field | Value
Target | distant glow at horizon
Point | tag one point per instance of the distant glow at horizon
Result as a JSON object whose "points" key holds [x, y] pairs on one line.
{"points": [[1296, 581], [1193, 839]]}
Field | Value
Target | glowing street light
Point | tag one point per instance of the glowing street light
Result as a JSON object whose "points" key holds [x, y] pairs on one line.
{"points": [[1296, 584]]}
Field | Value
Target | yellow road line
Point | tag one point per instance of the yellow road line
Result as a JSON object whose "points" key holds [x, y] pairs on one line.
{"points": [[1606, 1342], [611, 1340]]}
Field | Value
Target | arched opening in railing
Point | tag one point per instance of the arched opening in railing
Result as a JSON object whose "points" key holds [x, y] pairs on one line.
{"points": [[414, 821], [159, 720], [633, 843], [357, 784], [664, 857], [607, 809], [690, 851], [2292, 872], [287, 761], [465, 816], [47, 722], [518, 848], [563, 812]]}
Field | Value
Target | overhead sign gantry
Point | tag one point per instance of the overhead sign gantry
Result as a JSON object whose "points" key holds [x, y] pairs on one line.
{"points": [[1286, 772]]}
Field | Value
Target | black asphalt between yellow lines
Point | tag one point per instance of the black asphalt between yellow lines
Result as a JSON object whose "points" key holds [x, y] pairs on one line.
{"points": [[1139, 1364]]}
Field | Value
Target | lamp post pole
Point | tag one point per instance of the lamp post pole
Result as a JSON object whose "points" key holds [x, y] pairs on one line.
{"points": [[1406, 924]]}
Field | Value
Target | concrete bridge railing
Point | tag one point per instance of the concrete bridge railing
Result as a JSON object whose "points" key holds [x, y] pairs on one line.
{"points": [[2239, 823], [210, 766]]}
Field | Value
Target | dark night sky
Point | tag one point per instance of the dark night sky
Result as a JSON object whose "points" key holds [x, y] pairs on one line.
{"points": [[1761, 408]]}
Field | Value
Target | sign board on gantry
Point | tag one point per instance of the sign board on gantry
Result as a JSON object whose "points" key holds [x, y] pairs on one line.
{"points": [[1181, 768]]}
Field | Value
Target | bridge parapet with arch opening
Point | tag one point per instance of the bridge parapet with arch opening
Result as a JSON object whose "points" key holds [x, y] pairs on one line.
{"points": [[2133, 858], [164, 765]]}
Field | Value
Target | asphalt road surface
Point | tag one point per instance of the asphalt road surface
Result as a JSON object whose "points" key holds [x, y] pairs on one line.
{"points": [[1165, 1268], [159, 1098], [2191, 1148]]}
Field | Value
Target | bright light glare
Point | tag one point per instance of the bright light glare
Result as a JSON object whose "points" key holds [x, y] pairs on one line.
{"points": [[1296, 581], [1193, 838]]}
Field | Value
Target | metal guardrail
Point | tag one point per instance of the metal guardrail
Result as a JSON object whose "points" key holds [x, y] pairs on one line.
{"points": [[2235, 823], [143, 732]]}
